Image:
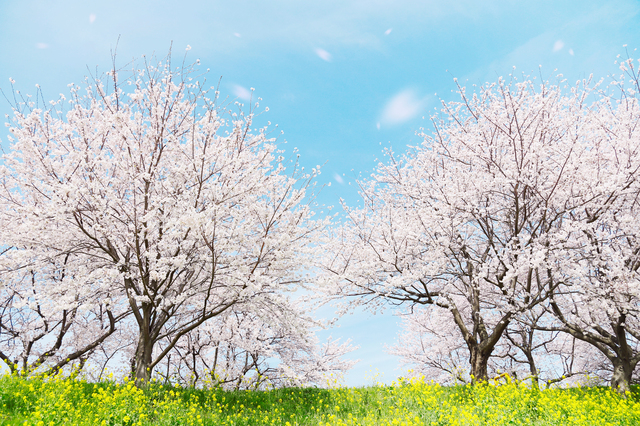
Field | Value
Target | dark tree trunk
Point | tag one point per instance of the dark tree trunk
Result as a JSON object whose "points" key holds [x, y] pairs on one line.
{"points": [[533, 370], [143, 362], [535, 380], [479, 342], [622, 372], [479, 361], [144, 351]]}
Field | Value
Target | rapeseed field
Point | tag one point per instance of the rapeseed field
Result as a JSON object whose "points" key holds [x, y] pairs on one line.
{"points": [[68, 401]]}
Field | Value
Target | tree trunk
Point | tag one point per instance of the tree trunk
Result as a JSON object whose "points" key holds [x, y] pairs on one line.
{"points": [[479, 361], [533, 370], [144, 351], [621, 379], [142, 361]]}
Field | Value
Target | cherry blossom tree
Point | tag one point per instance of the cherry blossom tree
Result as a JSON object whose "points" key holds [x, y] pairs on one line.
{"points": [[274, 348], [141, 191], [598, 300], [45, 325], [525, 353], [548, 357], [447, 361], [474, 220]]}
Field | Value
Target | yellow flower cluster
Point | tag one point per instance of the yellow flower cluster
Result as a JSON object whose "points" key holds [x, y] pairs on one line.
{"points": [[59, 400]]}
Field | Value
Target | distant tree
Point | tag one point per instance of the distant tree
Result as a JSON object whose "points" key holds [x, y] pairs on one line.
{"points": [[272, 348], [446, 361], [46, 326], [525, 353], [548, 357], [147, 194]]}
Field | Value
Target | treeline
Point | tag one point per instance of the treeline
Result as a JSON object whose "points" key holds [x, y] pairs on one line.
{"points": [[143, 223]]}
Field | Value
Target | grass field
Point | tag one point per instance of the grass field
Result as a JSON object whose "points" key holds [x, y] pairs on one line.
{"points": [[59, 401]]}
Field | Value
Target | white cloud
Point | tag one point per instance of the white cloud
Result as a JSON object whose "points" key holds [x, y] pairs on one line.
{"points": [[92, 18], [323, 54], [338, 178], [42, 45], [388, 31], [237, 35], [242, 92], [402, 107], [559, 44], [571, 52]]}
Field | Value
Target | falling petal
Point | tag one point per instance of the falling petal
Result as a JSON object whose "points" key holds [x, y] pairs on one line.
{"points": [[401, 108], [558, 45], [242, 92], [323, 54]]}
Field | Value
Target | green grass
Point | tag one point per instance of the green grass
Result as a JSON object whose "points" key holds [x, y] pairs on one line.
{"points": [[58, 401]]}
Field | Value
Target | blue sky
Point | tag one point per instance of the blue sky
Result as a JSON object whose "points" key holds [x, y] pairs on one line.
{"points": [[341, 78]]}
